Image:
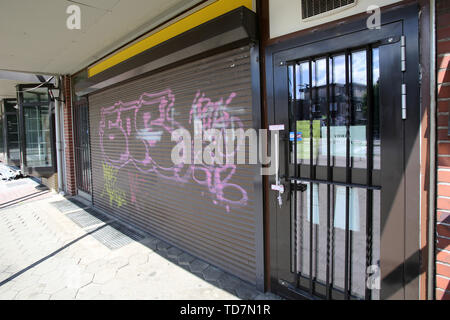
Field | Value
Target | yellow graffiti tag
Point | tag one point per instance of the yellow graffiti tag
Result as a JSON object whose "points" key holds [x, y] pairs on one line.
{"points": [[115, 195]]}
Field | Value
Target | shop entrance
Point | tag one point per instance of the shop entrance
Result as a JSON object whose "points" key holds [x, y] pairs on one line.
{"points": [[340, 202]]}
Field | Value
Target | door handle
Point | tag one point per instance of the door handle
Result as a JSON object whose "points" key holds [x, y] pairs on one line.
{"points": [[277, 186]]}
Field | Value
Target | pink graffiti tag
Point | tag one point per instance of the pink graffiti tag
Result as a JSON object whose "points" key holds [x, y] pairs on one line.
{"points": [[214, 115], [136, 129]]}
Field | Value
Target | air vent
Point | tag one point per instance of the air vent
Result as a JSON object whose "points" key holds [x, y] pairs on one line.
{"points": [[312, 8]]}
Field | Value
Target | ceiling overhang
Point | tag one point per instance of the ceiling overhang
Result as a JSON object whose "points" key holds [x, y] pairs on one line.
{"points": [[35, 38]]}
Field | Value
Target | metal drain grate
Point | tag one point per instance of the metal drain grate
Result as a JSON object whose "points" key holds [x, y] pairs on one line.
{"points": [[116, 235], [66, 206], [87, 218]]}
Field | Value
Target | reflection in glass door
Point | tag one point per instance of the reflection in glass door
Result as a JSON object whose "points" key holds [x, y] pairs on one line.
{"points": [[308, 101]]}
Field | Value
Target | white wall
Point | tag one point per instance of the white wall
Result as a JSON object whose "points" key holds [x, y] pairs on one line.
{"points": [[285, 15]]}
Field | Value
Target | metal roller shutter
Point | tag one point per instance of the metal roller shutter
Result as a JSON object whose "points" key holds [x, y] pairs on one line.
{"points": [[207, 211]]}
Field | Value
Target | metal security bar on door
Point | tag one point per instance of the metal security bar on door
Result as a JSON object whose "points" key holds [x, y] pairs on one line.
{"points": [[334, 155], [82, 146]]}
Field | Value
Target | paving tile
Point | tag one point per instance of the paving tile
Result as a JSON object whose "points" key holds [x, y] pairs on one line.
{"points": [[96, 265], [101, 297], [52, 277], [39, 296], [212, 273], [88, 292], [104, 275], [25, 281], [229, 282], [86, 259], [79, 280], [198, 266], [118, 262], [162, 246], [185, 259], [9, 271], [45, 267], [3, 267], [113, 286], [267, 296], [54, 286], [126, 272], [8, 295], [246, 292], [173, 253], [138, 259], [150, 242], [8, 285], [30, 293], [64, 294]]}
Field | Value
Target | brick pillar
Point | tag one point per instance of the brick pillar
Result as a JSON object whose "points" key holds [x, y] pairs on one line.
{"points": [[443, 176], [68, 136]]}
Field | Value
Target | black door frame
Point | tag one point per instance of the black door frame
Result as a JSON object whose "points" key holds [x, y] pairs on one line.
{"points": [[399, 279], [5, 115], [45, 172], [80, 102]]}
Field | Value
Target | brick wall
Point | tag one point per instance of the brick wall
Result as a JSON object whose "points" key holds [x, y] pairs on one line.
{"points": [[443, 176], [68, 136]]}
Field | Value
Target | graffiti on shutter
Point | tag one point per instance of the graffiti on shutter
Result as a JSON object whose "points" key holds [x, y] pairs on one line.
{"points": [[146, 120]]}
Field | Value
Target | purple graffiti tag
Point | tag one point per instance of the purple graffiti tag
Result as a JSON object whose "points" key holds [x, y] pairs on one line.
{"points": [[212, 114], [143, 127], [213, 178], [137, 128]]}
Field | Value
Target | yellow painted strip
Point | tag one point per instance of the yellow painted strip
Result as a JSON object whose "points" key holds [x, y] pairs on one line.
{"points": [[205, 14]]}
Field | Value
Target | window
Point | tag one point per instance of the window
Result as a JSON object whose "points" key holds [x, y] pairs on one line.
{"points": [[38, 140]]}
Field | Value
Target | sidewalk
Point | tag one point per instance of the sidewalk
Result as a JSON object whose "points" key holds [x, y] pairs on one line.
{"points": [[21, 191], [53, 248]]}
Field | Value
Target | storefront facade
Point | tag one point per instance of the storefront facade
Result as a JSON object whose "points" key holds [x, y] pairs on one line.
{"points": [[347, 216]]}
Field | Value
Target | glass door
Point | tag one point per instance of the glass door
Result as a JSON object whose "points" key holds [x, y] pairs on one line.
{"points": [[37, 129]]}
